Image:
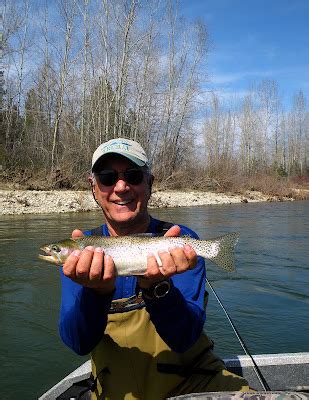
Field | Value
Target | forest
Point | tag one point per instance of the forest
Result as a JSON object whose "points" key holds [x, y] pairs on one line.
{"points": [[75, 73]]}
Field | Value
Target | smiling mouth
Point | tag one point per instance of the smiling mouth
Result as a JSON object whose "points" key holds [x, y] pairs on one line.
{"points": [[122, 203]]}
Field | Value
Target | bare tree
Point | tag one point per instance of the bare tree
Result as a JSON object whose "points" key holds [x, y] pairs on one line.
{"points": [[298, 138], [219, 133], [185, 52], [68, 11], [14, 42], [268, 115]]}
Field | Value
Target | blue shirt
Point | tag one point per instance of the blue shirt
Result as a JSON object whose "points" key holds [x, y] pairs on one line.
{"points": [[178, 317]]}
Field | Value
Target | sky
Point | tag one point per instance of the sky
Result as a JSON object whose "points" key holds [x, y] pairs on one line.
{"points": [[255, 40]]}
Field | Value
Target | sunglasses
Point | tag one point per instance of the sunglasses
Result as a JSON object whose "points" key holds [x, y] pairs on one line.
{"points": [[109, 177]]}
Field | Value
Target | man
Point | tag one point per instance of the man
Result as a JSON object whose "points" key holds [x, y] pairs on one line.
{"points": [[145, 334]]}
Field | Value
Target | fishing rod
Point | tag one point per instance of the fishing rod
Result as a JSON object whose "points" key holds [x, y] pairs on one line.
{"points": [[257, 370]]}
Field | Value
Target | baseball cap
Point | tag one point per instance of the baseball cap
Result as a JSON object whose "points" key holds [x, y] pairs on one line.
{"points": [[125, 147]]}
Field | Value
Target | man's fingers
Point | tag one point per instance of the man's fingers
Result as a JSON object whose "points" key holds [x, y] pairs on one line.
{"points": [[173, 231], [109, 268], [69, 267], [77, 233], [152, 266], [191, 255], [96, 268], [153, 273], [168, 265], [84, 263], [180, 259]]}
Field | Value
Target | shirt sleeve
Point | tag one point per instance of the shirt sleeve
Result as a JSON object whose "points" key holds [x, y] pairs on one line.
{"points": [[83, 316], [179, 316]]}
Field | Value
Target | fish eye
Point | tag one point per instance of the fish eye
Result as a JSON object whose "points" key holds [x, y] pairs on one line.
{"points": [[55, 248]]}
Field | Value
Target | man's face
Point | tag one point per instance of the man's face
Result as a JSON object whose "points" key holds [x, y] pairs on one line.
{"points": [[123, 204]]}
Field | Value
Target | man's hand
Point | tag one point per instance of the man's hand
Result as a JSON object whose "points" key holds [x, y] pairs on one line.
{"points": [[176, 261], [91, 268]]}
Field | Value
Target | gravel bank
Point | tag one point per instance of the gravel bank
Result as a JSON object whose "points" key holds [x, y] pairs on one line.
{"points": [[42, 202]]}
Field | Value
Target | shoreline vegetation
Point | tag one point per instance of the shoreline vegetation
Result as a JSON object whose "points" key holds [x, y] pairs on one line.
{"points": [[21, 194], [35, 194], [18, 201]]}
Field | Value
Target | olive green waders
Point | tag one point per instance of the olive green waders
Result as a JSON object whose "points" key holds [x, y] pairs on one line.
{"points": [[132, 362]]}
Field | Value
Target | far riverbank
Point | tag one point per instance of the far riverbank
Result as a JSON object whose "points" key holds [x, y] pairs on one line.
{"points": [[60, 201]]}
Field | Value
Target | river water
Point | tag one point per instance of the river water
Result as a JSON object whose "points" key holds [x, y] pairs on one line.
{"points": [[267, 298]]}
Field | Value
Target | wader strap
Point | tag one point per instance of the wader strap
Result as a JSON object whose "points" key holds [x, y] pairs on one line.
{"points": [[132, 303]]}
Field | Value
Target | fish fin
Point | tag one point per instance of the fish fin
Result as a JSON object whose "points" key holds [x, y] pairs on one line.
{"points": [[225, 257]]}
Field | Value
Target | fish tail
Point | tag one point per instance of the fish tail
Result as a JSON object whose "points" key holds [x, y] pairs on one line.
{"points": [[225, 258]]}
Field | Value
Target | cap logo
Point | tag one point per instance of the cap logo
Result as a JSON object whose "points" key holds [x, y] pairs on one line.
{"points": [[116, 146]]}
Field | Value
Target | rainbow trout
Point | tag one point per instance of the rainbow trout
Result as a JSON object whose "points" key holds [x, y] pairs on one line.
{"points": [[130, 252]]}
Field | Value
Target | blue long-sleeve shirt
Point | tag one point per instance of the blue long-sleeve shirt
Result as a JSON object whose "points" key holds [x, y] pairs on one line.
{"points": [[178, 317]]}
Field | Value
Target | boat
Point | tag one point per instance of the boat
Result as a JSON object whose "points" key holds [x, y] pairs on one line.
{"points": [[287, 375]]}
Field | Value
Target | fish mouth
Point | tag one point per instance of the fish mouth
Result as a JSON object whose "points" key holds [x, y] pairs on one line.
{"points": [[47, 256]]}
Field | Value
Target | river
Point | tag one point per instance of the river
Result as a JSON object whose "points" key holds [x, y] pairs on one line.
{"points": [[267, 298]]}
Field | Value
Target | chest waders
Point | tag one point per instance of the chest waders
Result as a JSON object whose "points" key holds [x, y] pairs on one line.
{"points": [[132, 361]]}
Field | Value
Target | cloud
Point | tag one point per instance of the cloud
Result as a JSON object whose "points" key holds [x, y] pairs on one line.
{"points": [[226, 96], [224, 78], [230, 78]]}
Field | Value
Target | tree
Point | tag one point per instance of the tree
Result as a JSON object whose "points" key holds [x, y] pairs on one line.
{"points": [[298, 135]]}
